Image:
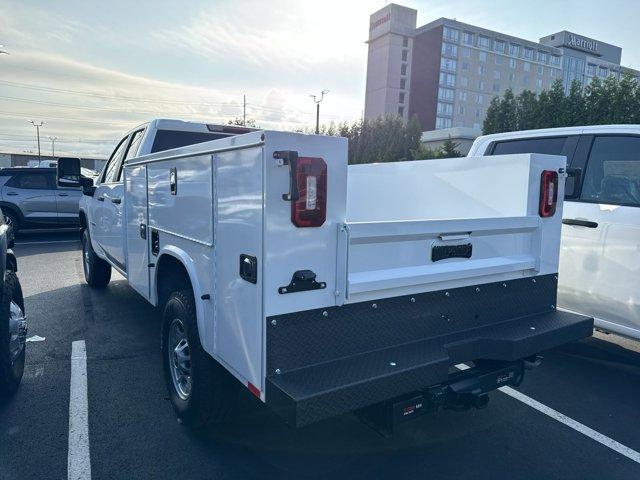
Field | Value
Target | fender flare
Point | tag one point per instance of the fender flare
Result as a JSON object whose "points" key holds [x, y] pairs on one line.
{"points": [[189, 265]]}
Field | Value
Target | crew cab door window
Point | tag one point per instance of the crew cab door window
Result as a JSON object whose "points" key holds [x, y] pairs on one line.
{"points": [[112, 170], [612, 174], [32, 181]]}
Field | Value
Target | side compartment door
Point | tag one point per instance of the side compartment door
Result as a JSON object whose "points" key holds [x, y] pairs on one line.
{"points": [[137, 234], [600, 253]]}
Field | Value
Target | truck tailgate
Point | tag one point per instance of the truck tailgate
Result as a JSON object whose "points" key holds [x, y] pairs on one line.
{"points": [[326, 362]]}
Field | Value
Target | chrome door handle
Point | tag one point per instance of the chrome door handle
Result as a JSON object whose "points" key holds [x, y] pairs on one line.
{"points": [[12, 193], [580, 223], [63, 194], [116, 200], [101, 199]]}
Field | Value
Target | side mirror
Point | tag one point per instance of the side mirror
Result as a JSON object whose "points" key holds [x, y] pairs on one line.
{"points": [[69, 172], [87, 186], [572, 185]]}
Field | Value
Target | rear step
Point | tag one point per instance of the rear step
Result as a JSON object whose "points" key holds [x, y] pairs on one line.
{"points": [[312, 393]]}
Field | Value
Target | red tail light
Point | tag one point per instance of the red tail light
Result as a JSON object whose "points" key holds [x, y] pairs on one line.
{"points": [[309, 202], [548, 193]]}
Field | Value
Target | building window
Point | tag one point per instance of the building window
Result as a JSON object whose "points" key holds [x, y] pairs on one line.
{"points": [[464, 81], [479, 99], [449, 49], [538, 83], [591, 69], [482, 56], [447, 79], [527, 66], [484, 42], [401, 97], [451, 34], [405, 53], [481, 69], [542, 57], [405, 41], [403, 83], [465, 66], [496, 87], [442, 123], [513, 63], [481, 85], [467, 38], [552, 72], [401, 111], [445, 109], [466, 52], [514, 49], [555, 60], [540, 70], [403, 69], [512, 77], [499, 46], [525, 80], [496, 74], [461, 109], [462, 95], [602, 72], [478, 112], [445, 94], [448, 65], [528, 53], [499, 59]]}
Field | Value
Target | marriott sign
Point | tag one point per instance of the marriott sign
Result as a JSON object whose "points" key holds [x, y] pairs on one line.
{"points": [[582, 43]]}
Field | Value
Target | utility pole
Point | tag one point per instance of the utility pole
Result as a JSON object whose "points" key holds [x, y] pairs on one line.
{"points": [[244, 110], [37, 125], [53, 146], [317, 102]]}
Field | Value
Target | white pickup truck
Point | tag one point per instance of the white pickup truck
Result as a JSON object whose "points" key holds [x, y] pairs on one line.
{"points": [[325, 288]]}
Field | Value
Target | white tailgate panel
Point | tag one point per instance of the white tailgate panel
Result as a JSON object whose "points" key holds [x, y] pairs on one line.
{"points": [[238, 230], [135, 181]]}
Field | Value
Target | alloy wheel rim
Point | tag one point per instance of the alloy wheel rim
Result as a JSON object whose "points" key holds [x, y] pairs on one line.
{"points": [[179, 359], [16, 336]]}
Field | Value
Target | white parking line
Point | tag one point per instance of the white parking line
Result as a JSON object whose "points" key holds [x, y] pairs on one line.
{"points": [[569, 422], [78, 460]]}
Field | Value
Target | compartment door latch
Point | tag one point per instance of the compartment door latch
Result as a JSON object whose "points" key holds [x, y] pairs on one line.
{"points": [[301, 281]]}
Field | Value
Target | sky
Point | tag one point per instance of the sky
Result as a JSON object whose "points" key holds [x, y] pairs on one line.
{"points": [[92, 70]]}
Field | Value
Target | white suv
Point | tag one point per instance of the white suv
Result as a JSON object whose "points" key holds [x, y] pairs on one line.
{"points": [[600, 255]]}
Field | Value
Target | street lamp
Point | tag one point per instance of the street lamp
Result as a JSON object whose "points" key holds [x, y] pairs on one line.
{"points": [[317, 102], [53, 146], [37, 125]]}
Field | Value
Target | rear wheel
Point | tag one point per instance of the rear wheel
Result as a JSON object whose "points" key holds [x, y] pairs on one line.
{"points": [[12, 335], [97, 272], [202, 392]]}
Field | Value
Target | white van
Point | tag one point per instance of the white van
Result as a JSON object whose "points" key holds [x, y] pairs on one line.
{"points": [[600, 253]]}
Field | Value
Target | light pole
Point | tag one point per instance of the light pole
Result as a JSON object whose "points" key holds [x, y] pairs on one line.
{"points": [[37, 125], [317, 102], [53, 146]]}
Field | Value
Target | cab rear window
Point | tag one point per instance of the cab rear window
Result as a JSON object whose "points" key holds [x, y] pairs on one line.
{"points": [[168, 139], [548, 146]]}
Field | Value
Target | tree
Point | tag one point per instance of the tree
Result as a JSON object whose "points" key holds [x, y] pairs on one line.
{"points": [[239, 121], [612, 100], [449, 149]]}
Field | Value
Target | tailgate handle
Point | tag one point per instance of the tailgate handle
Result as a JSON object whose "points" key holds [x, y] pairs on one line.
{"points": [[580, 223], [441, 252]]}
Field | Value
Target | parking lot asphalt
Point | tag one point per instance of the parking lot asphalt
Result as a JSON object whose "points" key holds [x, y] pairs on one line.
{"points": [[133, 432]]}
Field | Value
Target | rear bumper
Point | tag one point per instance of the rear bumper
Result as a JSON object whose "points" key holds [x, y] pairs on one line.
{"points": [[318, 390]]}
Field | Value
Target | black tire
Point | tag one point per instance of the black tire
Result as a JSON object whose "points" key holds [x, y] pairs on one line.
{"points": [[97, 272], [11, 219], [213, 390], [11, 370]]}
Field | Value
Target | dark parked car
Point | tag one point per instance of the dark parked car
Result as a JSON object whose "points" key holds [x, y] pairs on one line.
{"points": [[29, 198], [13, 326]]}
